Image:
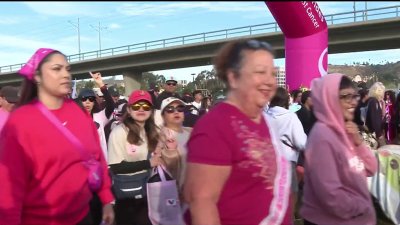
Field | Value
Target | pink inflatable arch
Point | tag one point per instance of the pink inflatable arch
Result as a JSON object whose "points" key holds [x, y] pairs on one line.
{"points": [[306, 40]]}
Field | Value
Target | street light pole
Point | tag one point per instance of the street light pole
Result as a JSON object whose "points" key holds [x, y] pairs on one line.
{"points": [[98, 29], [79, 36], [193, 74], [354, 9]]}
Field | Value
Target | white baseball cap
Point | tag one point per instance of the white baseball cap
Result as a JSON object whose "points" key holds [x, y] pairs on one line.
{"points": [[168, 101]]}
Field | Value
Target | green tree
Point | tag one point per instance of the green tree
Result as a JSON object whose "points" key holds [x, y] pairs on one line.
{"points": [[89, 84], [121, 89], [150, 78]]}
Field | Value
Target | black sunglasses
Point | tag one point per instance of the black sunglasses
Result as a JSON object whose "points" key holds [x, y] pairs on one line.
{"points": [[171, 84], [171, 109], [90, 98]]}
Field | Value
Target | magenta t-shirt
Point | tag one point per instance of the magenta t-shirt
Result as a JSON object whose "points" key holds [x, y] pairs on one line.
{"points": [[3, 118], [227, 137]]}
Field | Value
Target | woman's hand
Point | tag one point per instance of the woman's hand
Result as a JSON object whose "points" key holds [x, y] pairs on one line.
{"points": [[108, 214], [352, 129], [170, 142], [97, 79], [155, 159]]}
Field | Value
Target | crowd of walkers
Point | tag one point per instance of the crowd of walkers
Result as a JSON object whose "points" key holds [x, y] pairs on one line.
{"points": [[264, 155]]}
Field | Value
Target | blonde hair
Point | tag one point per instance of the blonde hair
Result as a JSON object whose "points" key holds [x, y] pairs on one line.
{"points": [[377, 90]]}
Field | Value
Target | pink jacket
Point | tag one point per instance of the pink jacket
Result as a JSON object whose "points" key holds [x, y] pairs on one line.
{"points": [[335, 186]]}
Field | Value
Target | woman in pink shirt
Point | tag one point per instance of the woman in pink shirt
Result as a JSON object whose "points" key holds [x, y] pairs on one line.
{"points": [[337, 162], [42, 173], [235, 172]]}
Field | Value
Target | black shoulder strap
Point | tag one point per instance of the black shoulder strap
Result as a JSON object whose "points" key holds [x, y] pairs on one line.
{"points": [[287, 143]]}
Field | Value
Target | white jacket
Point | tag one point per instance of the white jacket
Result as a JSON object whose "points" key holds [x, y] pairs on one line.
{"points": [[102, 120], [289, 128]]}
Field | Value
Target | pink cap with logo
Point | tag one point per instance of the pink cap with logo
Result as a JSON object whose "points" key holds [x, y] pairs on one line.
{"points": [[139, 95], [28, 70]]}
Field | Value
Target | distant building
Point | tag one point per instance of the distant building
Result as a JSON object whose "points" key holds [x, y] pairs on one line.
{"points": [[183, 82], [281, 76]]}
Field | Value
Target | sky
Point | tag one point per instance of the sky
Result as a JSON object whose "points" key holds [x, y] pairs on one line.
{"points": [[27, 26]]}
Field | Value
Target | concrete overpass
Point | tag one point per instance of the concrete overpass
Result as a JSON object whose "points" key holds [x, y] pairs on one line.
{"points": [[368, 35]]}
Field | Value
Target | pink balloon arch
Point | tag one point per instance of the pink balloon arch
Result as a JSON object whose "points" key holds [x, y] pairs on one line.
{"points": [[306, 40]]}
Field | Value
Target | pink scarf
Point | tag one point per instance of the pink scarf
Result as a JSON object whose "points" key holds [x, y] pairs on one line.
{"points": [[29, 69]]}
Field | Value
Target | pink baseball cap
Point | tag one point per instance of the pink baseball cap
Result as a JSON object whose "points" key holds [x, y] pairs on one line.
{"points": [[139, 95], [28, 70]]}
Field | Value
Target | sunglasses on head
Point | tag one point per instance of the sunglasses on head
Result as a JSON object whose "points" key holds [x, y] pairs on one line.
{"points": [[254, 44], [145, 106], [235, 57], [90, 98], [171, 84], [171, 109]]}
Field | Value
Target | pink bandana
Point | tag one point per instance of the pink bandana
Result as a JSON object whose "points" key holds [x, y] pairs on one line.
{"points": [[28, 70]]}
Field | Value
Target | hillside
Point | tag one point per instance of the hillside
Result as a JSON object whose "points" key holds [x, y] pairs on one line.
{"points": [[388, 74]]}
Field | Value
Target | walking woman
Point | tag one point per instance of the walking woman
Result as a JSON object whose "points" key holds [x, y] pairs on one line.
{"points": [[389, 120], [291, 133], [132, 153], [236, 173], [174, 138], [376, 112], [337, 162], [87, 99], [44, 151]]}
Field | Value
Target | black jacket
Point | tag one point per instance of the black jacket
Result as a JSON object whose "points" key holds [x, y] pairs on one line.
{"points": [[307, 119], [374, 120]]}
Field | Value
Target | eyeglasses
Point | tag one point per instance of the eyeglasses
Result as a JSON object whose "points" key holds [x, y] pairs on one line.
{"points": [[91, 99], [350, 97], [144, 106], [171, 109], [171, 84]]}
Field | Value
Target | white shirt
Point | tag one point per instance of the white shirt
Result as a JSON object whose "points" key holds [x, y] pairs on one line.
{"points": [[119, 149], [198, 106], [102, 120]]}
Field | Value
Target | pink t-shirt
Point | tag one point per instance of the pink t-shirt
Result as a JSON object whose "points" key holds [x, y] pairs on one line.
{"points": [[3, 118], [225, 136]]}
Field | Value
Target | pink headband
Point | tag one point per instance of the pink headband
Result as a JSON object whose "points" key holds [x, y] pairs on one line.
{"points": [[28, 70]]}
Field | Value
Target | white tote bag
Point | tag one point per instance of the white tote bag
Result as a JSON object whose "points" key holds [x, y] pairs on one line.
{"points": [[163, 199]]}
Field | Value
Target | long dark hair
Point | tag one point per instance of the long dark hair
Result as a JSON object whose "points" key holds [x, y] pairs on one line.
{"points": [[29, 87], [151, 129], [392, 96], [204, 103], [281, 98]]}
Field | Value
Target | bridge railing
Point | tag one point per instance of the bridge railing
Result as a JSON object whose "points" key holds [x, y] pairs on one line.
{"points": [[338, 18]]}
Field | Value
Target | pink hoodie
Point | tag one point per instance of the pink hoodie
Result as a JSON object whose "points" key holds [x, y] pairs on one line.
{"points": [[335, 185]]}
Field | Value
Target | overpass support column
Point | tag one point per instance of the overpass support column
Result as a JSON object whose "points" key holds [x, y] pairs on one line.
{"points": [[132, 81]]}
